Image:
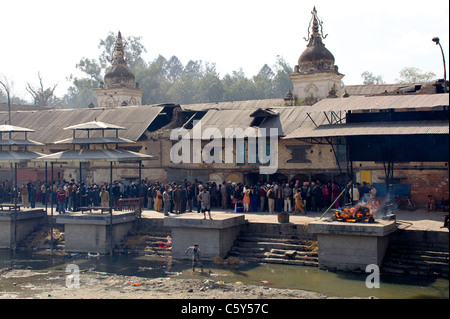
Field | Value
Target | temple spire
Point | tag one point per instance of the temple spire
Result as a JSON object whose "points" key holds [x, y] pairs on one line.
{"points": [[315, 76], [119, 52], [315, 32]]}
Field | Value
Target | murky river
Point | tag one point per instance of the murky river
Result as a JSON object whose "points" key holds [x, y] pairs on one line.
{"points": [[338, 284]]}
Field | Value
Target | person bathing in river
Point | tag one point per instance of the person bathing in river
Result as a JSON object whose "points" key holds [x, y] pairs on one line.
{"points": [[195, 257]]}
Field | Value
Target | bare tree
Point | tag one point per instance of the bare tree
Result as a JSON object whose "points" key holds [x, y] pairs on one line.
{"points": [[7, 86], [41, 96]]}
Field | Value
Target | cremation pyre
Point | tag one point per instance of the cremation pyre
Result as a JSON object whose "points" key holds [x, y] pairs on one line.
{"points": [[361, 213]]}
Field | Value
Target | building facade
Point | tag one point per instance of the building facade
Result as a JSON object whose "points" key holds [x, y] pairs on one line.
{"points": [[309, 141]]}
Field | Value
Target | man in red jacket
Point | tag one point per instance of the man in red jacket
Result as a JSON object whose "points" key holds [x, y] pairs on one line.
{"points": [[61, 198]]}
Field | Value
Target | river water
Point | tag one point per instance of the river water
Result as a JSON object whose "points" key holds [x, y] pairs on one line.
{"points": [[337, 284]]}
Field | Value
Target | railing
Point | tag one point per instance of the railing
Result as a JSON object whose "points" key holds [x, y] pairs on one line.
{"points": [[129, 204]]}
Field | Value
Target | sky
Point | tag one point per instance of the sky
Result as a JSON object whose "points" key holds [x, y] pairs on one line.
{"points": [[383, 36]]}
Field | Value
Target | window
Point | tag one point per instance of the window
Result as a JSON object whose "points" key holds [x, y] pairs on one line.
{"points": [[298, 153], [240, 153], [341, 153], [253, 153]]}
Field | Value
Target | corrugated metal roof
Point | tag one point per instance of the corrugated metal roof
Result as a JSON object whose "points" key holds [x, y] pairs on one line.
{"points": [[6, 128], [375, 89], [222, 119], [19, 143], [372, 128], [21, 107], [49, 124], [235, 105], [93, 155], [95, 140], [18, 156], [291, 118], [358, 103], [285, 119], [94, 125]]}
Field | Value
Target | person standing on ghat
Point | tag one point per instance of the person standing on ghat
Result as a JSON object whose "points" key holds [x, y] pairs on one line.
{"points": [[223, 191], [298, 203], [287, 194], [205, 200], [166, 201], [32, 195], [262, 198], [190, 198], [246, 200], [183, 198], [24, 193], [104, 197], [158, 202], [61, 198], [271, 198]]}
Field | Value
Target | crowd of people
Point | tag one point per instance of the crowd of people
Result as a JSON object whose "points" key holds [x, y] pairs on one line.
{"points": [[191, 196], [177, 198], [64, 195], [261, 197]]}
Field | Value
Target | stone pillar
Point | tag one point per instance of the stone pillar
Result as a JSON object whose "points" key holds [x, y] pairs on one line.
{"points": [[215, 237], [91, 232], [351, 246], [27, 221]]}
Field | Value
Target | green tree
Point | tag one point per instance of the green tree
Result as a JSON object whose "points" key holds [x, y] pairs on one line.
{"points": [[238, 87], [282, 83], [194, 69], [183, 91], [173, 69], [263, 82], [80, 94], [152, 79], [209, 87], [370, 78], [169, 81], [413, 74]]}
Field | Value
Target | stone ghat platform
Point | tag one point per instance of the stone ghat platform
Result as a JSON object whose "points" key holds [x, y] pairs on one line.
{"points": [[214, 237], [14, 227], [95, 232], [352, 246]]}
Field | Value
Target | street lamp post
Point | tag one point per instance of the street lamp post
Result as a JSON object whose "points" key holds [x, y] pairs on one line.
{"points": [[436, 40]]}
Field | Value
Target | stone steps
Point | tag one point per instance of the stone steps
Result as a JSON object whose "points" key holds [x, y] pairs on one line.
{"points": [[428, 259], [273, 245], [145, 244], [418, 246], [40, 238], [275, 248], [145, 240], [415, 270], [420, 257], [275, 237]]}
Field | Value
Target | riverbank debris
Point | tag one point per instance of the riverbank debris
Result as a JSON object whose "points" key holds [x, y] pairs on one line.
{"points": [[230, 260]]}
